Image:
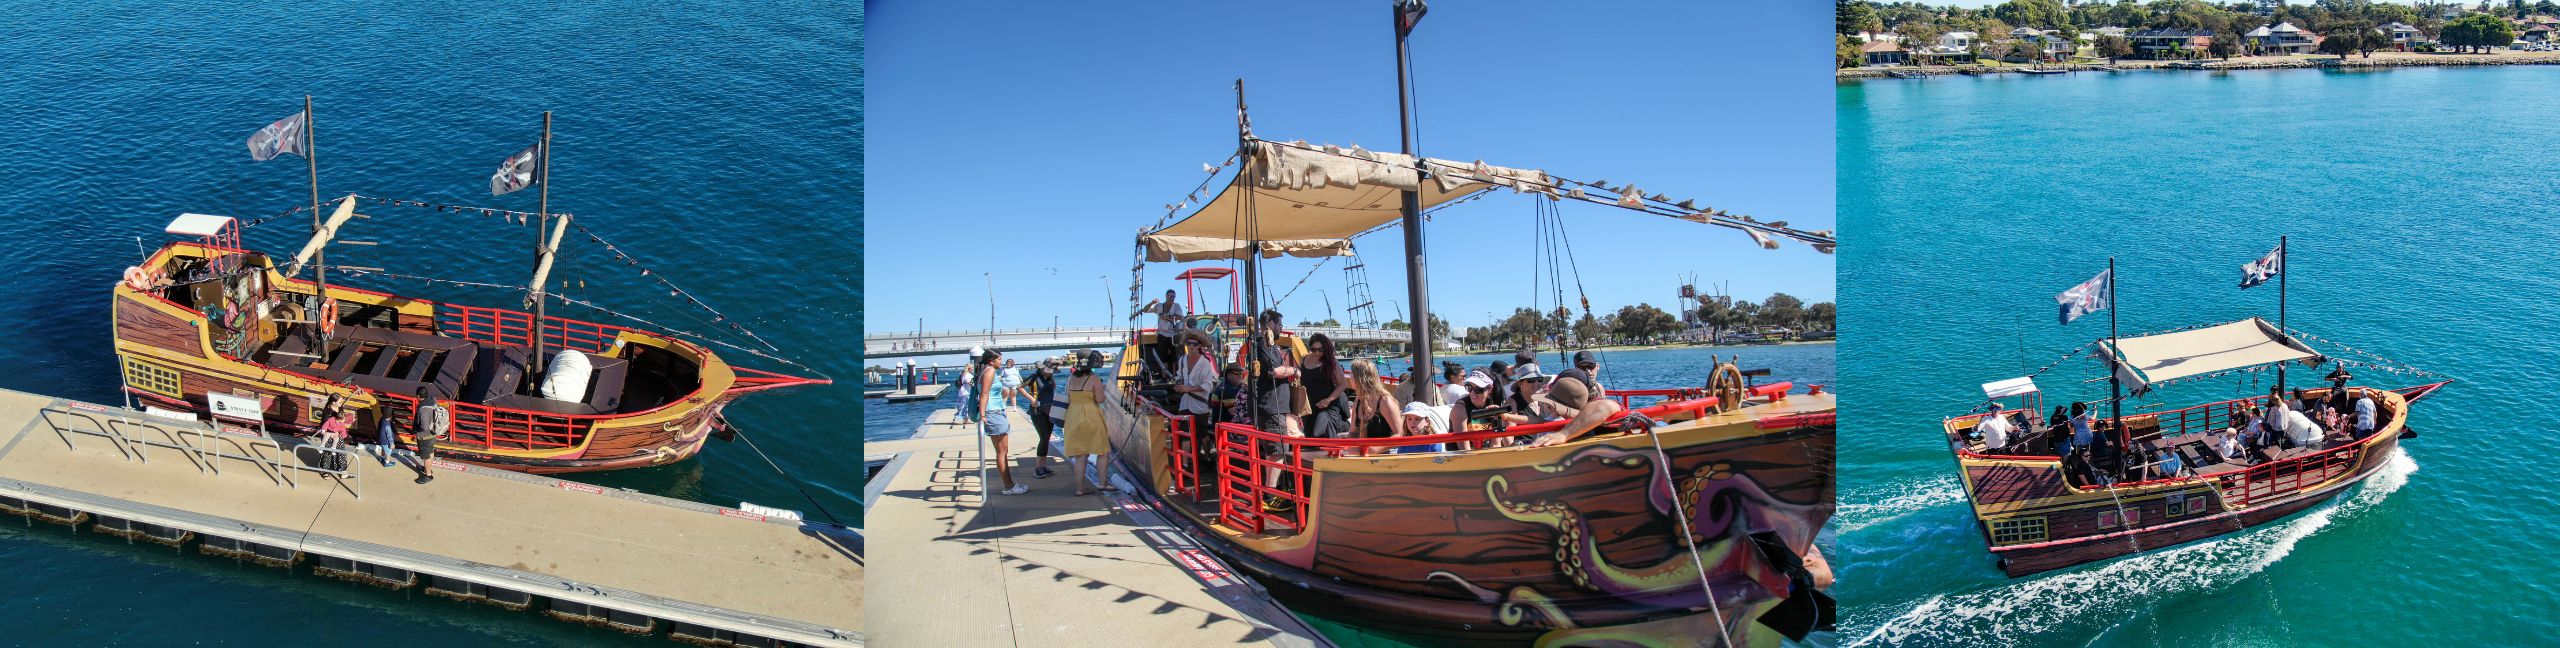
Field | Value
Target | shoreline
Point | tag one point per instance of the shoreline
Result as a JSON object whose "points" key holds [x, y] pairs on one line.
{"points": [[2379, 60], [1653, 347]]}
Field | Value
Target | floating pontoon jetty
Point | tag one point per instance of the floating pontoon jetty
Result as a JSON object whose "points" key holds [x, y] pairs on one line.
{"points": [[639, 563]]}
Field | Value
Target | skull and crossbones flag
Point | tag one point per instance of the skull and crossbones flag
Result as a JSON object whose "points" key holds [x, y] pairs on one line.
{"points": [[288, 135], [517, 171]]}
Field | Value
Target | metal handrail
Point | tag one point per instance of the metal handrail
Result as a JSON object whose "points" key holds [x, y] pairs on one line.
{"points": [[204, 452]]}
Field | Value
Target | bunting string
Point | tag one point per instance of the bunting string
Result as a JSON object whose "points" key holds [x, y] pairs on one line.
{"points": [[718, 319], [671, 330]]}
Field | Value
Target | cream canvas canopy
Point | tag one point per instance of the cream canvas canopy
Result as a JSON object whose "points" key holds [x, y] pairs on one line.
{"points": [[1304, 200], [2145, 361]]}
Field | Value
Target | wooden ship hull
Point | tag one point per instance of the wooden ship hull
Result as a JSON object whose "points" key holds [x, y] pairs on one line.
{"points": [[2034, 520], [652, 400], [1568, 545]]}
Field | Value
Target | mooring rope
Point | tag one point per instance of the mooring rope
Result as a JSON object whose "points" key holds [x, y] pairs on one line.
{"points": [[777, 469]]}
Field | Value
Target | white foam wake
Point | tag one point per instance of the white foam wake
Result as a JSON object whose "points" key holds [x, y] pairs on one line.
{"points": [[2014, 613], [1868, 509]]}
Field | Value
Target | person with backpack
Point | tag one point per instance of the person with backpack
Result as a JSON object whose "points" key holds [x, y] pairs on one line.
{"points": [[968, 387], [427, 428], [995, 397]]}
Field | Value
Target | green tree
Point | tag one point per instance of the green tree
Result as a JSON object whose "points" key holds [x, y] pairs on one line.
{"points": [[2343, 37], [1396, 325], [1589, 330], [1918, 37], [2224, 45], [1822, 316], [1848, 52], [2114, 47], [2478, 31], [1856, 16], [1782, 309], [2044, 14]]}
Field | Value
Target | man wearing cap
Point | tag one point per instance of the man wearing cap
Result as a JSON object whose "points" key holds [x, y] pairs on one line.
{"points": [[1046, 417], [1586, 370], [1589, 411], [1995, 430]]}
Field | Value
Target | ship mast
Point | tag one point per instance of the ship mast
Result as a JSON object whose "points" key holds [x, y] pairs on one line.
{"points": [[543, 249], [1405, 14], [320, 271], [2283, 249], [2115, 378], [1252, 252]]}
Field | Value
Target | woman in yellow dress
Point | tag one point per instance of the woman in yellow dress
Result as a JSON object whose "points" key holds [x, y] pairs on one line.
{"points": [[1085, 436]]}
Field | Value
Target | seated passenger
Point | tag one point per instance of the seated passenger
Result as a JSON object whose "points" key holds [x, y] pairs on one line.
{"points": [[2227, 444], [1423, 420], [2365, 410], [1589, 412], [2166, 464]]}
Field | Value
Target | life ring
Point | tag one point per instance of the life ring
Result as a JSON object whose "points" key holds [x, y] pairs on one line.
{"points": [[328, 316], [1725, 384], [137, 278]]}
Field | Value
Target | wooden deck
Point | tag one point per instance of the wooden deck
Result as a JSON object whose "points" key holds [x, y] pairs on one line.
{"points": [[613, 557], [960, 567]]}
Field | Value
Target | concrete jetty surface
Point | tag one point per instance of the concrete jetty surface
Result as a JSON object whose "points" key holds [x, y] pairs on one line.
{"points": [[963, 567], [610, 557]]}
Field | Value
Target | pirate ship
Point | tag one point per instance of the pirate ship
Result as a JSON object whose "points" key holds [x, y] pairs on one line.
{"points": [[526, 391], [1687, 516], [2154, 480]]}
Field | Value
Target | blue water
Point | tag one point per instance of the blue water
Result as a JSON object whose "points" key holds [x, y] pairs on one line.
{"points": [[2418, 205], [719, 145]]}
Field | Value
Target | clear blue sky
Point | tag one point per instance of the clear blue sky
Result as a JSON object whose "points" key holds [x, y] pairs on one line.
{"points": [[1033, 139]]}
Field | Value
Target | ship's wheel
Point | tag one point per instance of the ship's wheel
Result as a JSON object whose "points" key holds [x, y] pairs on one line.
{"points": [[1725, 383]]}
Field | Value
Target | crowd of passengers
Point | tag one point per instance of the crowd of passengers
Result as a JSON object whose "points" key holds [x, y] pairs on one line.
{"points": [[1318, 395], [2257, 432]]}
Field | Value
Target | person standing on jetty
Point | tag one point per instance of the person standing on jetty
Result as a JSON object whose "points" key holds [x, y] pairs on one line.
{"points": [[1045, 415], [1086, 441], [996, 392], [430, 427]]}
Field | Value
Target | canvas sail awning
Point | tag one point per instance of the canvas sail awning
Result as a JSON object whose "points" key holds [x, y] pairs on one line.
{"points": [[2146, 361], [1301, 200]]}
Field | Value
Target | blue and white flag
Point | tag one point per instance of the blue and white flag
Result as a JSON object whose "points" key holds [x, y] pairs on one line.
{"points": [[2088, 297], [288, 135], [2266, 267]]}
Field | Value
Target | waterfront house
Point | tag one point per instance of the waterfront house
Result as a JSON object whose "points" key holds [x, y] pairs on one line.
{"points": [[2281, 38], [2171, 43], [2404, 35], [1882, 52], [2049, 43], [1958, 39]]}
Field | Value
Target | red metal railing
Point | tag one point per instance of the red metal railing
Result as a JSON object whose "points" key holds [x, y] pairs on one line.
{"points": [[2251, 484], [482, 427], [515, 328], [1183, 449], [1242, 461]]}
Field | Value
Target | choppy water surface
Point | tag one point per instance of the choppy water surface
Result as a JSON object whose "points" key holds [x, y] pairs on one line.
{"points": [[2417, 202], [720, 146]]}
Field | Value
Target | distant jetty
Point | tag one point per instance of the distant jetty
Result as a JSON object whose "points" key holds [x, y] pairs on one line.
{"points": [[2379, 60]]}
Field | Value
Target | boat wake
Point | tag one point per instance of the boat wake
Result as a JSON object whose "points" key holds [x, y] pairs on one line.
{"points": [[2015, 613], [1870, 508]]}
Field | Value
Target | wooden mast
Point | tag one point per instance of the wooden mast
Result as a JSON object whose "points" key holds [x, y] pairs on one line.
{"points": [[2115, 351], [543, 249], [1252, 259], [2283, 249], [320, 258], [1417, 286]]}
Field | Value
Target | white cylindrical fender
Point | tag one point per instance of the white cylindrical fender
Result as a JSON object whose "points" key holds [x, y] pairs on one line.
{"points": [[565, 379]]}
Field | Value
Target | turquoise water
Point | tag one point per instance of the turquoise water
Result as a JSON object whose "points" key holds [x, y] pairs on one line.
{"points": [[2418, 205], [721, 146]]}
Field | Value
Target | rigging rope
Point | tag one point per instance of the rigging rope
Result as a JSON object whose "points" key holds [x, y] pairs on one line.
{"points": [[1688, 538]]}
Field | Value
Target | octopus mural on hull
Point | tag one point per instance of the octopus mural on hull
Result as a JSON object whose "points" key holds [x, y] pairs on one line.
{"points": [[1714, 507]]}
